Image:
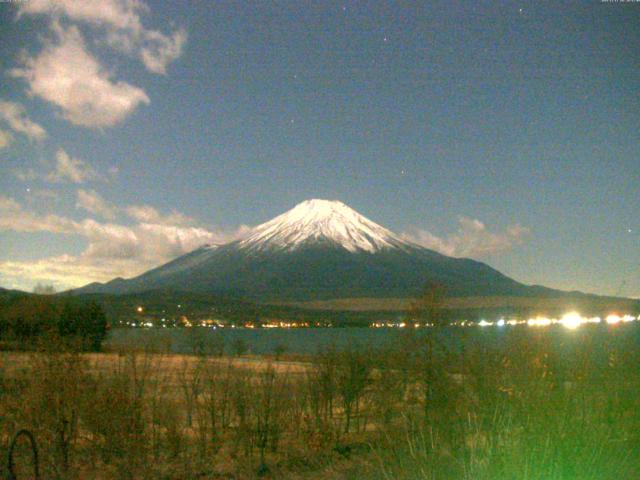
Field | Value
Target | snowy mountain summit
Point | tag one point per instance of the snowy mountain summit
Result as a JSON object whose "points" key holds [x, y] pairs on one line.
{"points": [[321, 221]]}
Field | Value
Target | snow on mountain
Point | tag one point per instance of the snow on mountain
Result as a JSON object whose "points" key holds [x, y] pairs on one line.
{"points": [[321, 220], [286, 259]]}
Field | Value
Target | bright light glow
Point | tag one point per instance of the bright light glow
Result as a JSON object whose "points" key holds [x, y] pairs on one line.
{"points": [[613, 319], [572, 320], [539, 322], [139, 309], [628, 318], [500, 322], [484, 323]]}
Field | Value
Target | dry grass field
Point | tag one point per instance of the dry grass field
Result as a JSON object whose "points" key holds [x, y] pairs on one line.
{"points": [[415, 411]]}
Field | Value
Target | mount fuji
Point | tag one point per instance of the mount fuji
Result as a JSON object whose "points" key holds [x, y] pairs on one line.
{"points": [[320, 250]]}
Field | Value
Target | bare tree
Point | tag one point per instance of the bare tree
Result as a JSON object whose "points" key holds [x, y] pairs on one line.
{"points": [[268, 409], [352, 378], [191, 384], [428, 308]]}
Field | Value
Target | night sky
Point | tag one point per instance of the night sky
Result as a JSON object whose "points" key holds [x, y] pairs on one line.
{"points": [[131, 133]]}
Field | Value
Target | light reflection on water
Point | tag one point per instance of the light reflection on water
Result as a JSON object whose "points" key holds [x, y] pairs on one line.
{"points": [[311, 340]]}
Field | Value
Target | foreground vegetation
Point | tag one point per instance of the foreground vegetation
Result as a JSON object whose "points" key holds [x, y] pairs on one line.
{"points": [[28, 320], [526, 410]]}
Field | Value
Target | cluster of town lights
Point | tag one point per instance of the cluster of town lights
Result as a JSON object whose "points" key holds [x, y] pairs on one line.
{"points": [[570, 320]]}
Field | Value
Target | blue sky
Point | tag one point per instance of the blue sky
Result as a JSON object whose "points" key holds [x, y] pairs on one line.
{"points": [[506, 131]]}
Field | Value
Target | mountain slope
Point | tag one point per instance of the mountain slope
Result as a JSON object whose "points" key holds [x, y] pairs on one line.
{"points": [[320, 250]]}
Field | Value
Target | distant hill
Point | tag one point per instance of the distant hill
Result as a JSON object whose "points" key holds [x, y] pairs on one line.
{"points": [[6, 293]]}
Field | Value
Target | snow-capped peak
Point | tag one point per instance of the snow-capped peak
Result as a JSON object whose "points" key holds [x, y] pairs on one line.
{"points": [[321, 220]]}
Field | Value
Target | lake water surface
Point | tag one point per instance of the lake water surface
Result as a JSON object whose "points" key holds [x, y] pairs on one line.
{"points": [[312, 340]]}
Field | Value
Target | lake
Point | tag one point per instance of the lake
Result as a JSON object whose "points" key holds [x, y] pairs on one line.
{"points": [[311, 340]]}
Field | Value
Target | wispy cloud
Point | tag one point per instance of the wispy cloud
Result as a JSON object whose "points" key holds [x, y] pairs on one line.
{"points": [[123, 14], [158, 50], [472, 239], [15, 116], [121, 20], [66, 169], [65, 74], [148, 214], [112, 249], [5, 139], [92, 202], [71, 169], [63, 271], [14, 218]]}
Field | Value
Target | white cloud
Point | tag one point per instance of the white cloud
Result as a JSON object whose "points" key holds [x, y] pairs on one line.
{"points": [[14, 115], [472, 239], [71, 169], [428, 240], [112, 250], [170, 241], [64, 271], [148, 214], [110, 241], [14, 218], [65, 169], [5, 139], [158, 50], [65, 74], [121, 14], [121, 19], [92, 202], [8, 205]]}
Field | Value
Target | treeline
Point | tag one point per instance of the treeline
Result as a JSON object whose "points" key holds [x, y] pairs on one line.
{"points": [[26, 320]]}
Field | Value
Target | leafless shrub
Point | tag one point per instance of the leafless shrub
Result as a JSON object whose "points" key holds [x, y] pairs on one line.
{"points": [[353, 371]]}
